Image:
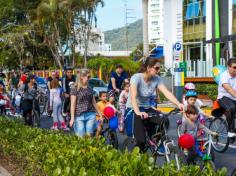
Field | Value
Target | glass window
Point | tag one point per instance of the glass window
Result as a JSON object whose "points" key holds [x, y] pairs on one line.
{"points": [[193, 10], [204, 8], [234, 1]]}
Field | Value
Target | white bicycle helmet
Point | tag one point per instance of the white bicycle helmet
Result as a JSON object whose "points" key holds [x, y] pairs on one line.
{"points": [[189, 86]]}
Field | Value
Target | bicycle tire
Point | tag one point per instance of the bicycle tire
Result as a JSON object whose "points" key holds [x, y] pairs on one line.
{"points": [[204, 165], [113, 139], [42, 104], [220, 144], [129, 144], [233, 173], [36, 119]]}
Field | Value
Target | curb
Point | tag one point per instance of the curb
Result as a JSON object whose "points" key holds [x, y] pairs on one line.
{"points": [[4, 172], [167, 109]]}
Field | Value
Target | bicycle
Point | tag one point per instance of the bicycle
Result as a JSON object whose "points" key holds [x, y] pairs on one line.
{"points": [[159, 140], [34, 113], [109, 134], [204, 154], [43, 101]]}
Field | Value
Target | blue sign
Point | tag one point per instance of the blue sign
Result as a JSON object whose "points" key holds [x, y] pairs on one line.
{"points": [[177, 46]]}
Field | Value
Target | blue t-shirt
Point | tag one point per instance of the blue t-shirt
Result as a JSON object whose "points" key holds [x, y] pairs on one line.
{"points": [[119, 80], [146, 92]]}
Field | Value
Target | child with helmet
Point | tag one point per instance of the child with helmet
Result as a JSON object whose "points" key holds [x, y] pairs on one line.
{"points": [[192, 88]]}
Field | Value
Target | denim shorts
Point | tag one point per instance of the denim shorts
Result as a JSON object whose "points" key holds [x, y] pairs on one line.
{"points": [[85, 123]]}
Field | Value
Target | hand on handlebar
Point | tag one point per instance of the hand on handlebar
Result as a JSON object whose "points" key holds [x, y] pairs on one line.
{"points": [[143, 115], [181, 107]]}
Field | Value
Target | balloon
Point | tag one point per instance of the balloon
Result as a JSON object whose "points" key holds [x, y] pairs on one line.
{"points": [[113, 123], [217, 71], [109, 112], [186, 141]]}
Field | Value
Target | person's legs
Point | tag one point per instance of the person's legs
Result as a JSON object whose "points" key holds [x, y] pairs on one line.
{"points": [[65, 105], [90, 122], [54, 115], [139, 132], [230, 108], [79, 126]]}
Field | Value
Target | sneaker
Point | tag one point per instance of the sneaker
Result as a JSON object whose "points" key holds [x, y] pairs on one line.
{"points": [[64, 127], [55, 126]]}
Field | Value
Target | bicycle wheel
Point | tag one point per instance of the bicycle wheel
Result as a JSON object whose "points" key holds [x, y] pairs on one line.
{"points": [[36, 119], [129, 144], [220, 143], [233, 173], [174, 153], [205, 165], [113, 139], [42, 103]]}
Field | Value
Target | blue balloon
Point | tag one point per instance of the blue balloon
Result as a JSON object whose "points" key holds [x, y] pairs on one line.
{"points": [[217, 71], [113, 123]]}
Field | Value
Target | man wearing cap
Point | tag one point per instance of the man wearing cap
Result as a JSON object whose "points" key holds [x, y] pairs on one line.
{"points": [[117, 79]]}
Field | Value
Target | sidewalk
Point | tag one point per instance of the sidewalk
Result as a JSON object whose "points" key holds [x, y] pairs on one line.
{"points": [[4, 172]]}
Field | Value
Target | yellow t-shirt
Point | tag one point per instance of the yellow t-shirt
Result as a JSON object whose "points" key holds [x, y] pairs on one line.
{"points": [[101, 106]]}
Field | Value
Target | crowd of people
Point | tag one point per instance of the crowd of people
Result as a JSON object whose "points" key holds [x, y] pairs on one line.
{"points": [[132, 100]]}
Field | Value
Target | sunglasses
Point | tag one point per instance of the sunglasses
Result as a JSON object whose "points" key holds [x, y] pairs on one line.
{"points": [[88, 76], [157, 68], [234, 67]]}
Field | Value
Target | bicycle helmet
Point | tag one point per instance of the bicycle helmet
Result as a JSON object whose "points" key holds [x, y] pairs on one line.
{"points": [[191, 93], [189, 86]]}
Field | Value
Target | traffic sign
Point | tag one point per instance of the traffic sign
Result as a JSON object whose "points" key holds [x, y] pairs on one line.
{"points": [[177, 46]]}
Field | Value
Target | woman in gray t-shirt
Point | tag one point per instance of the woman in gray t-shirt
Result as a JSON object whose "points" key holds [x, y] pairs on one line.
{"points": [[142, 96], [83, 106]]}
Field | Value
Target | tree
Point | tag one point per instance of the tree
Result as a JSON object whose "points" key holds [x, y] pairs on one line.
{"points": [[87, 18]]}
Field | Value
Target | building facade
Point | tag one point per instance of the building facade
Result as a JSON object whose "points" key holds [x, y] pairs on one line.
{"points": [[155, 22]]}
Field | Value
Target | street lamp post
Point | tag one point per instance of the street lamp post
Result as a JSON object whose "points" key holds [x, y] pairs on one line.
{"points": [[145, 28]]}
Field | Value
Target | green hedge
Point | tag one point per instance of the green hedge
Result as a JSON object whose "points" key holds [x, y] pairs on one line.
{"points": [[211, 90], [43, 152]]}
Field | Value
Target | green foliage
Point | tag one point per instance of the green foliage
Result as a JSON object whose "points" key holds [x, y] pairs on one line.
{"points": [[43, 152], [108, 65], [211, 90], [117, 37]]}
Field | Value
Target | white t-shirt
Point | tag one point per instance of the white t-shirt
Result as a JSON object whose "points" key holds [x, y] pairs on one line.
{"points": [[226, 79]]}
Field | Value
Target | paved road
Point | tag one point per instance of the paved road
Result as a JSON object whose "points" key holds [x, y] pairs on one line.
{"points": [[227, 159]]}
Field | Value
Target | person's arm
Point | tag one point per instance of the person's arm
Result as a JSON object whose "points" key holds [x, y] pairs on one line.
{"points": [[229, 89], [121, 97], [113, 82], [170, 96], [97, 109], [72, 109], [207, 130]]}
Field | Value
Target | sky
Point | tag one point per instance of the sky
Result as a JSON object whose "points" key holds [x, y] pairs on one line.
{"points": [[112, 15]]}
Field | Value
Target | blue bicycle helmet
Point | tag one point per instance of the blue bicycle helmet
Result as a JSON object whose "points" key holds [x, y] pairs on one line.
{"points": [[191, 93]]}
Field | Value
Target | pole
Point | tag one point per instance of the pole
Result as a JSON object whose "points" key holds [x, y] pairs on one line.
{"points": [[145, 28], [217, 31]]}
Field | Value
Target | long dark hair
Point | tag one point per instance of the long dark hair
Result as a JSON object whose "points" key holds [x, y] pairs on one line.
{"points": [[148, 62]]}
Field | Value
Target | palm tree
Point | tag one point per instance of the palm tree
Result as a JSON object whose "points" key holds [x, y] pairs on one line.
{"points": [[145, 28]]}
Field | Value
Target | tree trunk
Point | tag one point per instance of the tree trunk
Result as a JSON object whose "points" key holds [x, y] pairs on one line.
{"points": [[145, 28]]}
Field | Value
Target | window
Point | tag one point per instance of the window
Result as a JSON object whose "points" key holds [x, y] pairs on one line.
{"points": [[234, 1], [193, 10]]}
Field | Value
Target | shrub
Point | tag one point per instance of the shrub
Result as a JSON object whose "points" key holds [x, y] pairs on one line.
{"points": [[43, 152]]}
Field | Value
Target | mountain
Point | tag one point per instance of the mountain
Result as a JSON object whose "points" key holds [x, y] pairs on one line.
{"points": [[117, 37]]}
